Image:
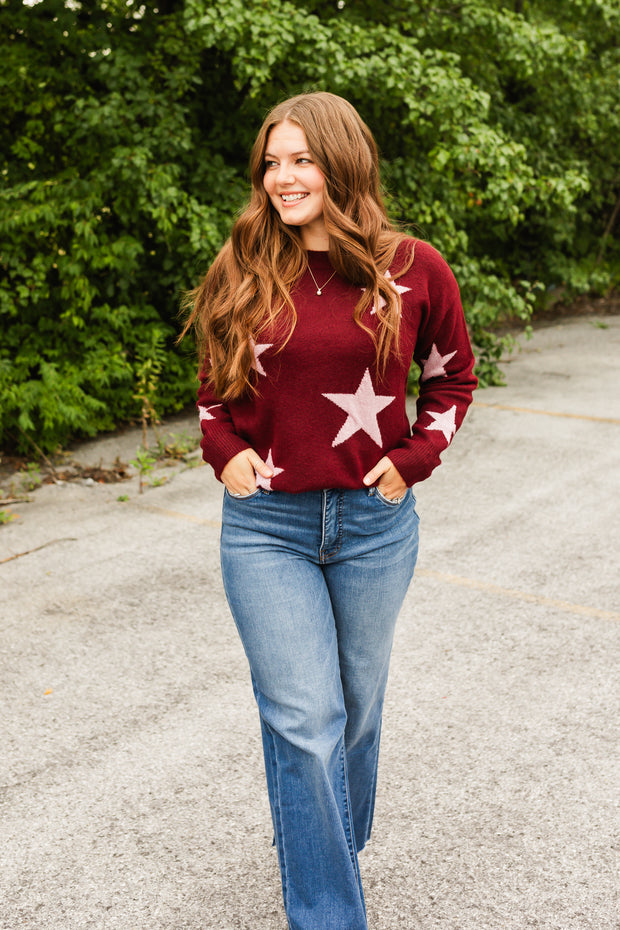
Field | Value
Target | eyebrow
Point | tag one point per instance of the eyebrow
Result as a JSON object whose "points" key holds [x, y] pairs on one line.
{"points": [[302, 152]]}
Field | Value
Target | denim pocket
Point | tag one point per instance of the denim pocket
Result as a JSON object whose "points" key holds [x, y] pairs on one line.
{"points": [[242, 497], [394, 502]]}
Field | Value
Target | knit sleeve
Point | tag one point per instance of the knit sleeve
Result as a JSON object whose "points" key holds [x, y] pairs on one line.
{"points": [[219, 441], [443, 352]]}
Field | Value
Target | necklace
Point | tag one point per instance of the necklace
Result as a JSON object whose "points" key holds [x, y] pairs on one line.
{"points": [[316, 283]]}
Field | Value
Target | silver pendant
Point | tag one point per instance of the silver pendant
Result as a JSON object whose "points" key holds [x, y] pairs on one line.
{"points": [[318, 293]]}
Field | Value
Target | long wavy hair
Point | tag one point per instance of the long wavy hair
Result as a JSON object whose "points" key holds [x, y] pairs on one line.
{"points": [[247, 289]]}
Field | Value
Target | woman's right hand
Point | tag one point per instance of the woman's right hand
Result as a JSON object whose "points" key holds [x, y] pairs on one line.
{"points": [[239, 473]]}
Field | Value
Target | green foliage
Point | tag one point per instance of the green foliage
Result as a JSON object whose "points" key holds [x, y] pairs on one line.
{"points": [[151, 359], [124, 135], [105, 214], [31, 478], [178, 445], [145, 462]]}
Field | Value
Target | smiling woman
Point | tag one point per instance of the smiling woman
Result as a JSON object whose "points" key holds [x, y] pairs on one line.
{"points": [[294, 183], [307, 324]]}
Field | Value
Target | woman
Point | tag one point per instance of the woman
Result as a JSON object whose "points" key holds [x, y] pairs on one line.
{"points": [[307, 324]]}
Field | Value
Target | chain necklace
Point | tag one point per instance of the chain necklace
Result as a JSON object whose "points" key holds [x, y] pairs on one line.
{"points": [[316, 283]]}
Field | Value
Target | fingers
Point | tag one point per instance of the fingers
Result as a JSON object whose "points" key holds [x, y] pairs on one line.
{"points": [[261, 467], [239, 474], [388, 478], [382, 466]]}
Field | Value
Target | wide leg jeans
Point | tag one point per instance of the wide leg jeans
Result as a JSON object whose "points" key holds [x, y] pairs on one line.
{"points": [[315, 582]]}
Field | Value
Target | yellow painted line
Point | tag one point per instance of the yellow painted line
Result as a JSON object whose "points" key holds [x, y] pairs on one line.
{"points": [[178, 515], [514, 594], [546, 413], [485, 586]]}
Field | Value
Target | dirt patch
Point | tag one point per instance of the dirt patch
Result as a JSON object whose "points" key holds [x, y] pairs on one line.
{"points": [[19, 476]]}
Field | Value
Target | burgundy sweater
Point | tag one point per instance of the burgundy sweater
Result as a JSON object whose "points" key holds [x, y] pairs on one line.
{"points": [[323, 417]]}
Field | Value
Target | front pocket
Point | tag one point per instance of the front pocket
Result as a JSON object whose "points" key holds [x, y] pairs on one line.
{"points": [[386, 500], [243, 497]]}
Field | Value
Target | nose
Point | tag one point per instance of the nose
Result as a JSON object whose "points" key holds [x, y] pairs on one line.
{"points": [[285, 174]]}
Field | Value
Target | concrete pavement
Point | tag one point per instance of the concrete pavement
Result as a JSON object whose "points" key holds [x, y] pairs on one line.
{"points": [[131, 786]]}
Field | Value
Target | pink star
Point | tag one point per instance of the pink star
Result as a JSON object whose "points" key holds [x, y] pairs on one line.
{"points": [[382, 301], [444, 422], [434, 365], [203, 412], [362, 409], [258, 350], [266, 482]]}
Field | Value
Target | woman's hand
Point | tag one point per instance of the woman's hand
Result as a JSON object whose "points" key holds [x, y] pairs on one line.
{"points": [[390, 480], [239, 473]]}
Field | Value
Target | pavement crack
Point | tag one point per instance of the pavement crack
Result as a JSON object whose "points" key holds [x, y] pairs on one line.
{"points": [[52, 542]]}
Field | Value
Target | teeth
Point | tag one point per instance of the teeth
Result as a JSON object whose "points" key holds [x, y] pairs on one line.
{"points": [[289, 198]]}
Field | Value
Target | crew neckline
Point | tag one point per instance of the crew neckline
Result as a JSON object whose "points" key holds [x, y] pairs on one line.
{"points": [[318, 256]]}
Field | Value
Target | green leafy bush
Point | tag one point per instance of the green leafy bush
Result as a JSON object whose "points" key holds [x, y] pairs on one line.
{"points": [[124, 135]]}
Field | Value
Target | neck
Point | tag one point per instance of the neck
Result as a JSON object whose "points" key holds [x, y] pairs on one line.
{"points": [[314, 238]]}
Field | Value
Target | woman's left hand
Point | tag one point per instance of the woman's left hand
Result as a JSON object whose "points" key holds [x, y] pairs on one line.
{"points": [[390, 481]]}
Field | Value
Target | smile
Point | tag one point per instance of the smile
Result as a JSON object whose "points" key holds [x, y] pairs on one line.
{"points": [[292, 198]]}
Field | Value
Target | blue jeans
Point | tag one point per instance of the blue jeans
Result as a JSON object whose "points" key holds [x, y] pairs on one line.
{"points": [[315, 582]]}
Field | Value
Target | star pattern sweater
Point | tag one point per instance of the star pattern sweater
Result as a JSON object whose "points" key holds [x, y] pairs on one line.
{"points": [[323, 416]]}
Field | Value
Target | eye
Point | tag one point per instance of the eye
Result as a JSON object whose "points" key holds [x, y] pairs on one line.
{"points": [[270, 164], [302, 160]]}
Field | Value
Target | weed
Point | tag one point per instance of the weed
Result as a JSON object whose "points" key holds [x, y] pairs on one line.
{"points": [[178, 445], [194, 463], [144, 462], [31, 478], [151, 359]]}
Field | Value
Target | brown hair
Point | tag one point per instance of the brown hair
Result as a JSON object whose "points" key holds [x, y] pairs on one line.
{"points": [[248, 286]]}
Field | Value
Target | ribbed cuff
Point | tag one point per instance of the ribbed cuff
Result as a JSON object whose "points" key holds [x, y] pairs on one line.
{"points": [[219, 455]]}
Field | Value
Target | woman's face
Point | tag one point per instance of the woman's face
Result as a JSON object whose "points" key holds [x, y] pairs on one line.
{"points": [[294, 184]]}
